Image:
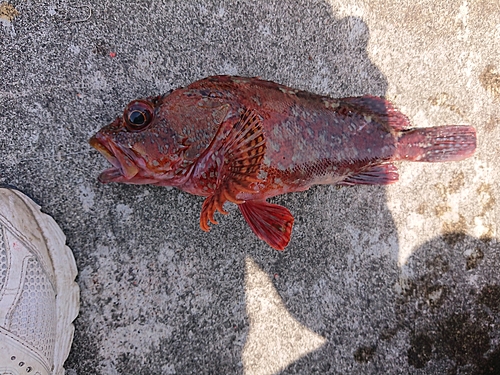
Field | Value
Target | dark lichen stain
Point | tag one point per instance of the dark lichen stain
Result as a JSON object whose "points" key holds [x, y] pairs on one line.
{"points": [[458, 338], [485, 193], [364, 353], [454, 232], [421, 210], [462, 339], [8, 12], [388, 333], [457, 182], [441, 209], [442, 190], [409, 288], [490, 80], [492, 123], [474, 259], [431, 295], [455, 325], [436, 267], [426, 287], [491, 366], [444, 100], [490, 296], [487, 237], [420, 350], [453, 238], [453, 186], [435, 295]]}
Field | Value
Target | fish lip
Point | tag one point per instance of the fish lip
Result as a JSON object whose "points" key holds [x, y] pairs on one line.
{"points": [[100, 146], [124, 168], [110, 175]]}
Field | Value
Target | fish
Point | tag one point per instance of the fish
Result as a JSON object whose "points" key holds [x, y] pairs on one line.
{"points": [[244, 140]]}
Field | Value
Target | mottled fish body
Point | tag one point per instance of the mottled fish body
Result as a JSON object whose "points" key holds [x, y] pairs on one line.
{"points": [[244, 140]]}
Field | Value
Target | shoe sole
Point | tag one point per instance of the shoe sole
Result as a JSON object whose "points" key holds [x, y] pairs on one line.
{"points": [[67, 290]]}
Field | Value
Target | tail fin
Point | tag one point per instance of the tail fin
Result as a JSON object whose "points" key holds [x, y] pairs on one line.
{"points": [[437, 144]]}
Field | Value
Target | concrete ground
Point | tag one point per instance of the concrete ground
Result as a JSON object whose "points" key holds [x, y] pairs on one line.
{"points": [[377, 280]]}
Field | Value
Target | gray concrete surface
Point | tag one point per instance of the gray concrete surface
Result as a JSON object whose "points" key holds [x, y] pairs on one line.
{"points": [[377, 280]]}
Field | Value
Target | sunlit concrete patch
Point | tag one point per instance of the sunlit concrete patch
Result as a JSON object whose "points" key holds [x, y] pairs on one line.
{"points": [[275, 338], [7, 12], [460, 201]]}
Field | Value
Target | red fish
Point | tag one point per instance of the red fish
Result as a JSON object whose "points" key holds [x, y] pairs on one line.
{"points": [[244, 140]]}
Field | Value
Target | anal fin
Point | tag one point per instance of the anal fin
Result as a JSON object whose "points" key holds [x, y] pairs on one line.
{"points": [[383, 174], [270, 222]]}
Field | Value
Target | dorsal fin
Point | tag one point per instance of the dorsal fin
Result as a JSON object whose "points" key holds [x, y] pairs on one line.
{"points": [[381, 109]]}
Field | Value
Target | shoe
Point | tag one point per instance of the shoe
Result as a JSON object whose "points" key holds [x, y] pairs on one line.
{"points": [[39, 298]]}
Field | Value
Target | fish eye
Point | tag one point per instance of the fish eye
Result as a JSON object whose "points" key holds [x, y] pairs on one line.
{"points": [[138, 115]]}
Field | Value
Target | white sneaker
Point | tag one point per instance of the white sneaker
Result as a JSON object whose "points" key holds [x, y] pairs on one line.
{"points": [[39, 298]]}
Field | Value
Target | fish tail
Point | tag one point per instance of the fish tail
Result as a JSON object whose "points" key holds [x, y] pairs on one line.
{"points": [[437, 144]]}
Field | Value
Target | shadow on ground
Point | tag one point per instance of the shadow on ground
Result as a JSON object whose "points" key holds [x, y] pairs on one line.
{"points": [[450, 311]]}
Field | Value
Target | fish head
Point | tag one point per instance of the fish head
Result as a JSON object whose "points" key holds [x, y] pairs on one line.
{"points": [[142, 148]]}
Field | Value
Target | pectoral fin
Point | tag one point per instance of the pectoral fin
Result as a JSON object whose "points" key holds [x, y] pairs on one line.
{"points": [[270, 222], [243, 151], [236, 162]]}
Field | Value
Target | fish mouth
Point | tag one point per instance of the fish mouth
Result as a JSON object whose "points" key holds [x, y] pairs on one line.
{"points": [[123, 167]]}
